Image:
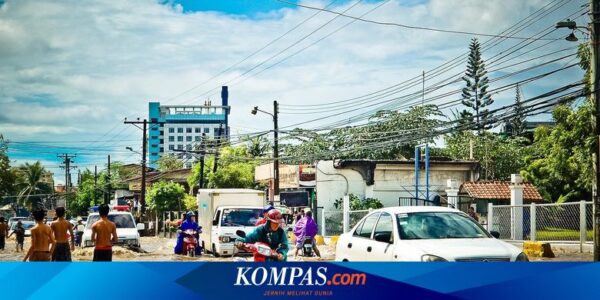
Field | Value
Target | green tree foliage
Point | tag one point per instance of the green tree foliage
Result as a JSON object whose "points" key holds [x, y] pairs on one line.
{"points": [[258, 146], [30, 184], [358, 204], [561, 166], [516, 124], [7, 174], [499, 156], [165, 196], [169, 162], [190, 203], [474, 95], [386, 130], [87, 195]]}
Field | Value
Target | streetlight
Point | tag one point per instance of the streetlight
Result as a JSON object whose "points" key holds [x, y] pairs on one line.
{"points": [[254, 111], [594, 31], [131, 149]]}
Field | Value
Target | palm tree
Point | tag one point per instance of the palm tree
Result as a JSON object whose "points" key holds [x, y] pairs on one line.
{"points": [[30, 183]]}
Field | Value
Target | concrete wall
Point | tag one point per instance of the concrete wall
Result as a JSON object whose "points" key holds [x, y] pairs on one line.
{"points": [[392, 181]]}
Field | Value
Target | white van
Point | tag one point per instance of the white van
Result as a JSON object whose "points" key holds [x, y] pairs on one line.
{"points": [[221, 212], [127, 230]]}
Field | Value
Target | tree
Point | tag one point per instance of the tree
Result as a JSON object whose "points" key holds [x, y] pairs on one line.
{"points": [[258, 146], [169, 162], [516, 124], [31, 185], [358, 204], [190, 203], [499, 156], [165, 196], [562, 166], [474, 95], [7, 174], [87, 195], [194, 179], [234, 175]]}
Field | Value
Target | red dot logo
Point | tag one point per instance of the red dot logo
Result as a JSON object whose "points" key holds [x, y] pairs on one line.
{"points": [[329, 282]]}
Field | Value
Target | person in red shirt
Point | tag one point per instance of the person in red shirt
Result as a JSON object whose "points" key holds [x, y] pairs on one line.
{"points": [[263, 220]]}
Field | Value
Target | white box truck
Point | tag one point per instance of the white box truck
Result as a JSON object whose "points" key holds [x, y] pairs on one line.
{"points": [[221, 212]]}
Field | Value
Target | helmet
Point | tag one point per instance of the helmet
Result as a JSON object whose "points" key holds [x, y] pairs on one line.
{"points": [[267, 208], [190, 213], [274, 215]]}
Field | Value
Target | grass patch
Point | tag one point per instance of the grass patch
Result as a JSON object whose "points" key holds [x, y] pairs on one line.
{"points": [[561, 234]]}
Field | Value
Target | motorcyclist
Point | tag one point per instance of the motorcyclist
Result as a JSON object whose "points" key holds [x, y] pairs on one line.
{"points": [[263, 220], [188, 223], [271, 234], [306, 227]]}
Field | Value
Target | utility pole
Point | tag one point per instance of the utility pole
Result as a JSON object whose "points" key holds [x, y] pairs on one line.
{"points": [[276, 149], [595, 40], [109, 185], [217, 148], [67, 160], [423, 96], [144, 150]]}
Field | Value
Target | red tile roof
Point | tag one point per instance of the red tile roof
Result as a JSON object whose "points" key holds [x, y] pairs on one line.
{"points": [[499, 190]]}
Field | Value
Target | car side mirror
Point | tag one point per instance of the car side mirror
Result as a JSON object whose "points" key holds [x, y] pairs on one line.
{"points": [[141, 226], [383, 237], [215, 222], [290, 229], [495, 234]]}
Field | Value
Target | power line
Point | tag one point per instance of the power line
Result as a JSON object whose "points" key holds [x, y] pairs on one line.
{"points": [[406, 26]]}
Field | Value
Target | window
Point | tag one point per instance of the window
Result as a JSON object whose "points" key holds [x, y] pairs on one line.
{"points": [[154, 154], [180, 138], [367, 227], [171, 139], [439, 225], [198, 129], [188, 130], [180, 147], [161, 150], [171, 130], [180, 130], [188, 138], [171, 147], [188, 147], [206, 130], [162, 141], [384, 227], [197, 138]]}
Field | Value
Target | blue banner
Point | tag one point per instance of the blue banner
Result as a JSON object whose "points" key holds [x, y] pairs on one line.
{"points": [[156, 280]]}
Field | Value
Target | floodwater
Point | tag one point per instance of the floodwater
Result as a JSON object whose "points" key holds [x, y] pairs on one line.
{"points": [[153, 249]]}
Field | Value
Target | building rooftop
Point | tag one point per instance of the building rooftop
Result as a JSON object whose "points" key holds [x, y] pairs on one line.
{"points": [[499, 190]]}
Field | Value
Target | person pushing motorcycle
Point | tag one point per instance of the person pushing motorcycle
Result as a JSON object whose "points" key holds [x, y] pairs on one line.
{"points": [[271, 234]]}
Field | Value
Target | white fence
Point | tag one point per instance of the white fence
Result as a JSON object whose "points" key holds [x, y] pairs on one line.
{"points": [[332, 222], [543, 222]]}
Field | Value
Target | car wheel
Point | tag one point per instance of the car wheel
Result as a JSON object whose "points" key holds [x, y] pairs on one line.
{"points": [[214, 251], [344, 260]]}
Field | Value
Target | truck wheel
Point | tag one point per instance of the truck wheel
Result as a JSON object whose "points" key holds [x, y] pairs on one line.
{"points": [[214, 251]]}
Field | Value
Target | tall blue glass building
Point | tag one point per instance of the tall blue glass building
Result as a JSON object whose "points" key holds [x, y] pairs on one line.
{"points": [[182, 127]]}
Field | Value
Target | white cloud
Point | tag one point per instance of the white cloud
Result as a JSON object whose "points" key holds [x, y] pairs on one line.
{"points": [[103, 60]]}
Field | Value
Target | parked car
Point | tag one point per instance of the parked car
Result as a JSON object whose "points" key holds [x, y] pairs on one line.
{"points": [[422, 233], [27, 225], [127, 230], [14, 220]]}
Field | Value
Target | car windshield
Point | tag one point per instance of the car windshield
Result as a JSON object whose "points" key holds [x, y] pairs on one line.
{"points": [[240, 216], [121, 220], [26, 225], [438, 225]]}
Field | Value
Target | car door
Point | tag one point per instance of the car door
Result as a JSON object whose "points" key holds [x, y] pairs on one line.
{"points": [[381, 246], [361, 238]]}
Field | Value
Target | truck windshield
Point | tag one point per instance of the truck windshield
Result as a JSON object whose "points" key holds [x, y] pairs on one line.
{"points": [[121, 220], [240, 216]]}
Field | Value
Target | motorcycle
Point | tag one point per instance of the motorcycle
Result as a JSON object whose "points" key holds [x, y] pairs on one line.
{"points": [[260, 251], [189, 242], [307, 246]]}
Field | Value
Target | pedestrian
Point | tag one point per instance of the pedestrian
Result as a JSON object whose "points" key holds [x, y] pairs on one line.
{"points": [[80, 228], [42, 242], [104, 234], [3, 233], [20, 235], [60, 227], [471, 212]]}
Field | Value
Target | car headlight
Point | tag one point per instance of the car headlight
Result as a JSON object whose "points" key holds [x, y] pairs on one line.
{"points": [[431, 258], [522, 257], [224, 239]]}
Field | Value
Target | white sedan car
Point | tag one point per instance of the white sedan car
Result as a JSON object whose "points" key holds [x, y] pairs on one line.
{"points": [[127, 230], [422, 233]]}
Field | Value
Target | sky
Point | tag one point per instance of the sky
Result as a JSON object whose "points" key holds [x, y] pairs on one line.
{"points": [[71, 71]]}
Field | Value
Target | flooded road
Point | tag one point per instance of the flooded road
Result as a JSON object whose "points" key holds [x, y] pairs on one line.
{"points": [[156, 248]]}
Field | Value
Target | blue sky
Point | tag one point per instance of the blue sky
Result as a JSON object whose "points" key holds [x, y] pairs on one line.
{"points": [[71, 72]]}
